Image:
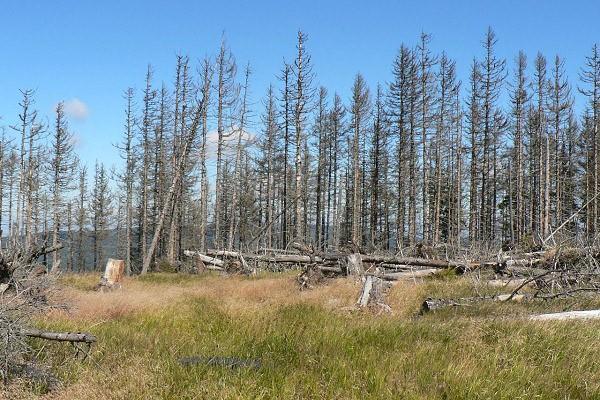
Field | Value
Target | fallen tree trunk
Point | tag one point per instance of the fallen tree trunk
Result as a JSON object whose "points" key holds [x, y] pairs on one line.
{"points": [[508, 266], [79, 337], [282, 258], [365, 258], [205, 259], [239, 256], [568, 315], [325, 268], [438, 304], [398, 276], [423, 262]]}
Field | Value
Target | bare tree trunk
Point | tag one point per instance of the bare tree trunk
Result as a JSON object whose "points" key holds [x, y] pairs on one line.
{"points": [[237, 167], [179, 169]]}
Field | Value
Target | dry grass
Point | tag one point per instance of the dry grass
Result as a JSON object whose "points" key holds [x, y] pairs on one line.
{"points": [[312, 344], [236, 294]]}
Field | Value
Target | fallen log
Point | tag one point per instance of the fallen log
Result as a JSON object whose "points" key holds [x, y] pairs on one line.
{"points": [[239, 256], [79, 337], [205, 259], [525, 266], [325, 268], [423, 262], [431, 304], [568, 315], [282, 258], [398, 276], [365, 258]]}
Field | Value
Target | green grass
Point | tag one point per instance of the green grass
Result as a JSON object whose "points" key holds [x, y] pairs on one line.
{"points": [[310, 352]]}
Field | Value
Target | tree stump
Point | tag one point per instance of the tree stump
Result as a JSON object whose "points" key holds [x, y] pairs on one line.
{"points": [[372, 294], [355, 264], [113, 275], [310, 277]]}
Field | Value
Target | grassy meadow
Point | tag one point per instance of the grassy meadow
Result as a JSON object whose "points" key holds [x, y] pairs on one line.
{"points": [[312, 344]]}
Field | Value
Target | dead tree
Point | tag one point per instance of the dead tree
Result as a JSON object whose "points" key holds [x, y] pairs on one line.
{"points": [[62, 165], [101, 209], [128, 177], [302, 97], [226, 91], [187, 144], [238, 159], [360, 109], [207, 73]]}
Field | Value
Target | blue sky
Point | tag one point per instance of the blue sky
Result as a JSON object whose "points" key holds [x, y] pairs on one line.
{"points": [[93, 50]]}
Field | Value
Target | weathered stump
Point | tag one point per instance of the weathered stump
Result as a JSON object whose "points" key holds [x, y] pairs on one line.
{"points": [[372, 294], [311, 276], [113, 275], [355, 264]]}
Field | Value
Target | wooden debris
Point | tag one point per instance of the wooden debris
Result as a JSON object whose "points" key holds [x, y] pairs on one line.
{"points": [[245, 268], [79, 337], [212, 261], [409, 275]]}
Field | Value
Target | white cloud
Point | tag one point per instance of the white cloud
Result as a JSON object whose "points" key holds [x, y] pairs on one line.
{"points": [[77, 140], [230, 141], [76, 109]]}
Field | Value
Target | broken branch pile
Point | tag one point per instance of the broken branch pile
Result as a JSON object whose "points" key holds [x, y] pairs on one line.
{"points": [[331, 264], [559, 272]]}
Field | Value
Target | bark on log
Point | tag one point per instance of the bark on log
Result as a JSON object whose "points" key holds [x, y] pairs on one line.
{"points": [[569, 315], [239, 256], [205, 259], [424, 262], [282, 258], [365, 258], [79, 337], [398, 276]]}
